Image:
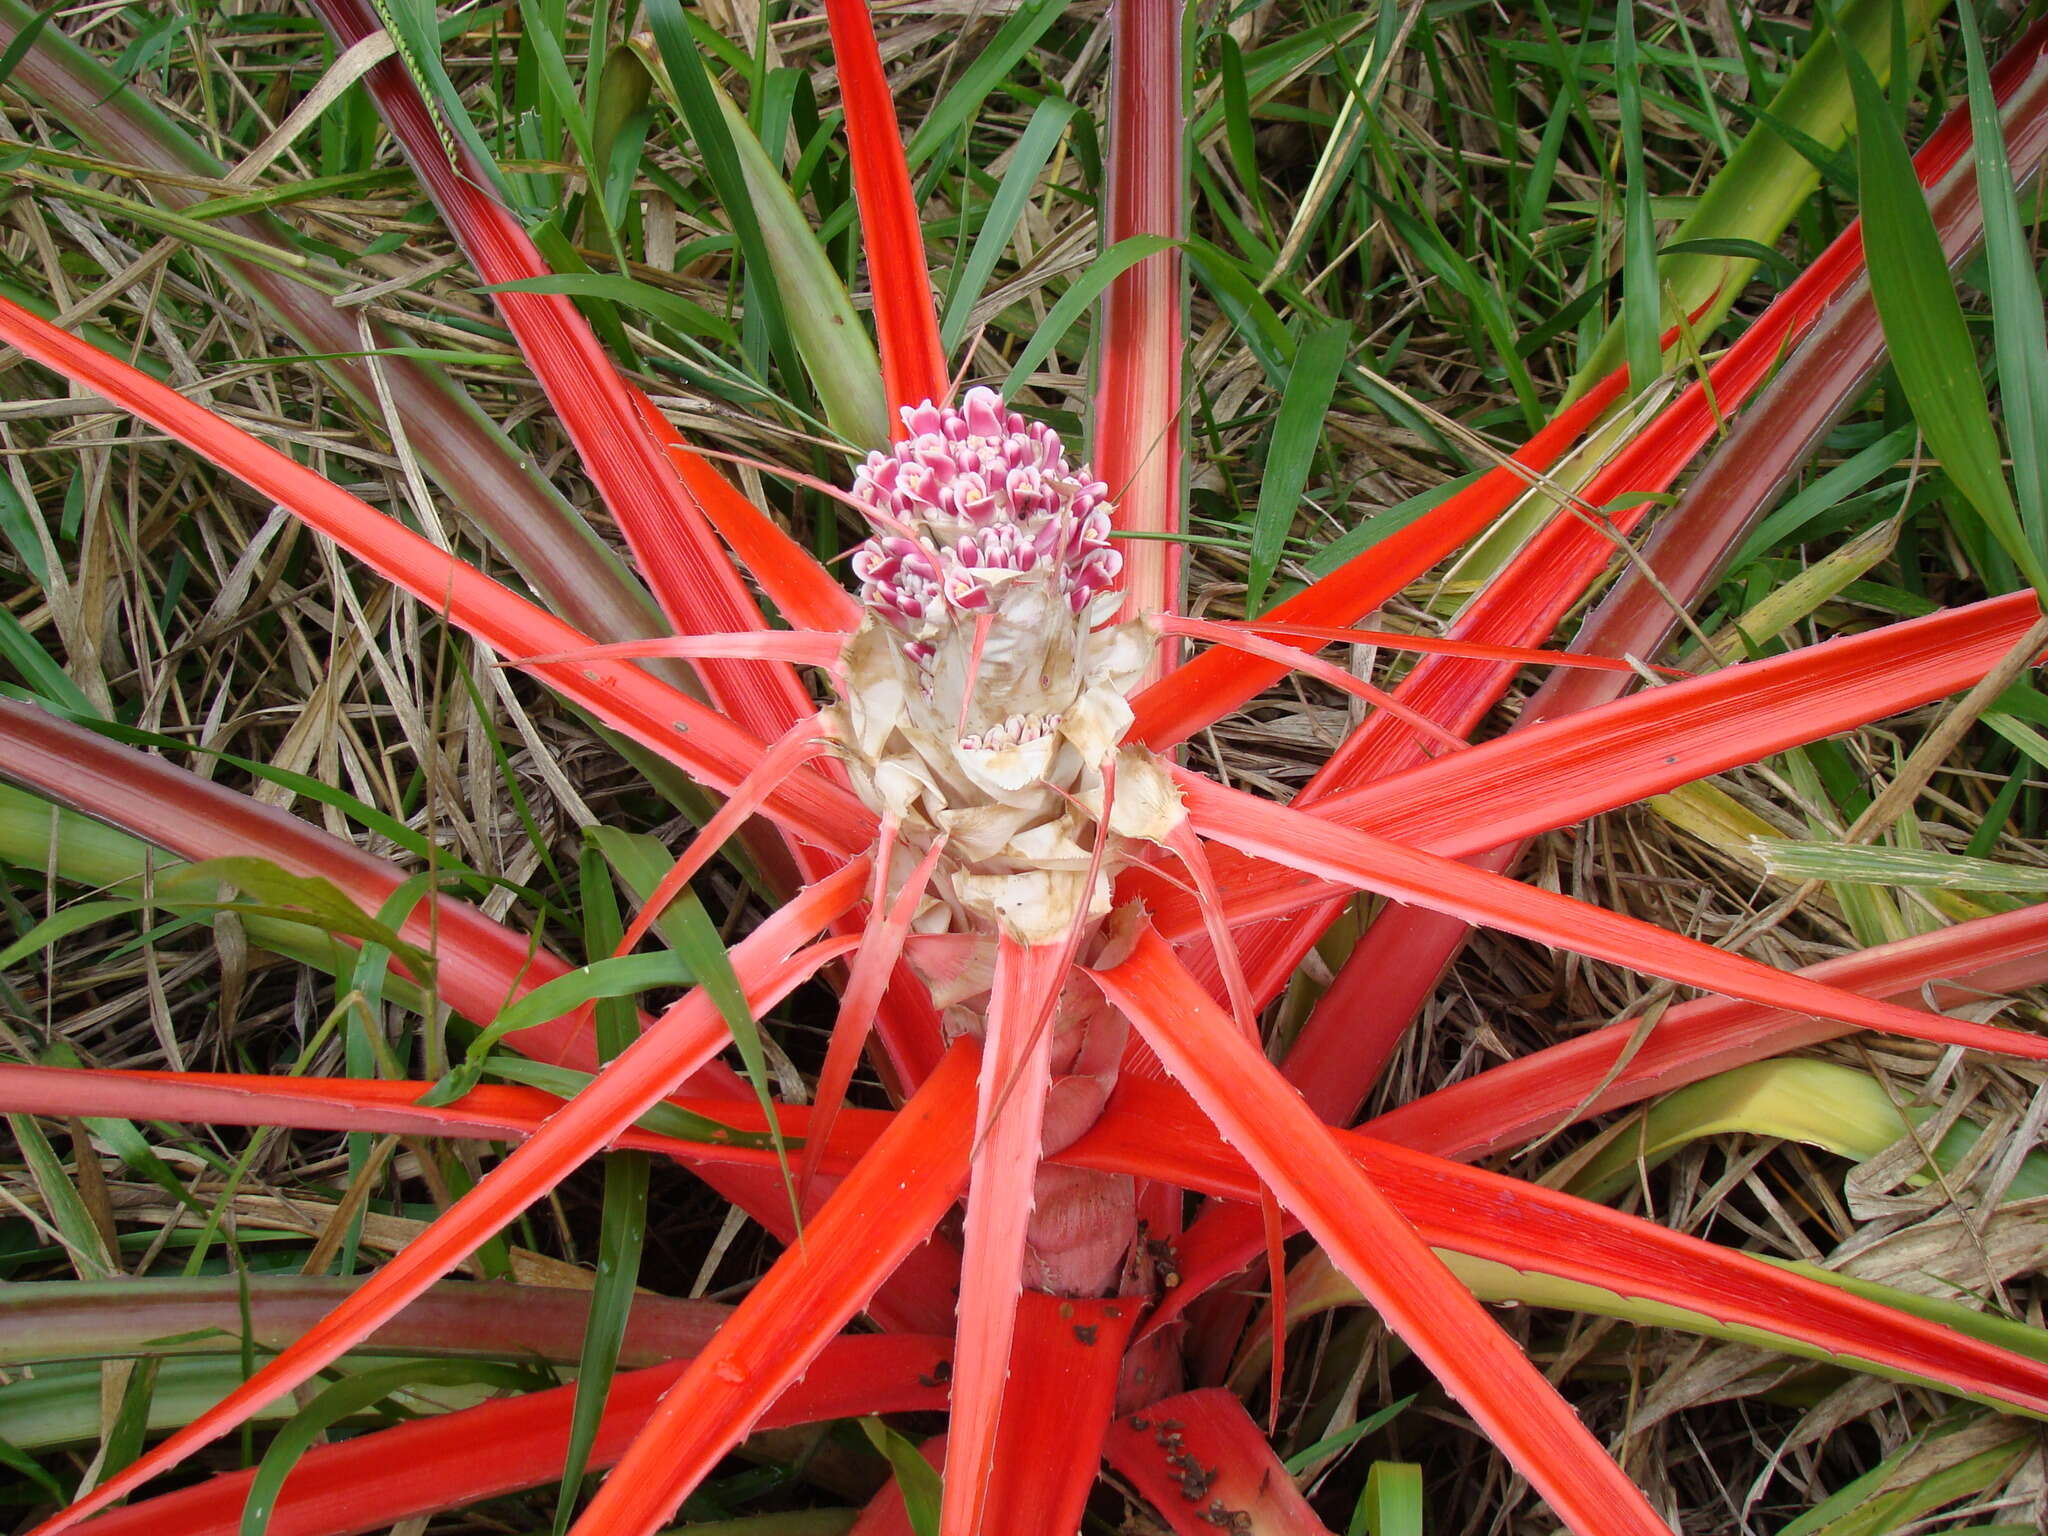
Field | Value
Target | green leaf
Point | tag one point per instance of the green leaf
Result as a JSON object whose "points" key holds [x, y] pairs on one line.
{"points": [[64, 1207], [629, 293], [620, 976], [1238, 134], [1086, 288], [1249, 311], [836, 349], [1825, 493], [1297, 431], [1642, 299], [663, 1119], [623, 1223], [1392, 1502], [2019, 340], [1309, 1455], [1013, 193], [545, 48], [17, 50], [21, 1462], [305, 898], [698, 100], [344, 1400], [36, 665], [1923, 323], [699, 944], [989, 68], [62, 924], [18, 528], [618, 128], [916, 1479]]}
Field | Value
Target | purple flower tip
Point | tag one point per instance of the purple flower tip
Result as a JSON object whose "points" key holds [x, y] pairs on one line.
{"points": [[991, 496]]}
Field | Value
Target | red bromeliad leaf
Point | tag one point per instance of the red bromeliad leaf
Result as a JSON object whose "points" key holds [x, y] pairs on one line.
{"points": [[673, 544], [1152, 1131], [1340, 1050], [1560, 771], [1623, 1063], [707, 746], [795, 582], [480, 965], [490, 1112], [1204, 1465], [1148, 1134], [1528, 597], [1137, 439], [1369, 863], [1255, 642], [1009, 1117], [374, 1481], [881, 946], [1210, 687], [906, 319], [1300, 1159], [1434, 645], [1057, 1405], [885, 1208], [638, 1079], [798, 647]]}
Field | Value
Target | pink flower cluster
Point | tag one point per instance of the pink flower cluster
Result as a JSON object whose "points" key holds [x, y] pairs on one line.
{"points": [[973, 497]]}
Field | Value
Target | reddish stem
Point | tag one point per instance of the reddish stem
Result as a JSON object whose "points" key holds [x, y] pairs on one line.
{"points": [[1137, 449]]}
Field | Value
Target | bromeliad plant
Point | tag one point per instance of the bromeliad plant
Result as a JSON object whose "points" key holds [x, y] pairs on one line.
{"points": [[1061, 937]]}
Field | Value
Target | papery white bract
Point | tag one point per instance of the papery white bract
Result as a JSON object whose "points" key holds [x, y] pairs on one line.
{"points": [[986, 688]]}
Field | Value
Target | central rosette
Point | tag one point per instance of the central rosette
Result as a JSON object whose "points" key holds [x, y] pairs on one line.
{"points": [[985, 693], [985, 711]]}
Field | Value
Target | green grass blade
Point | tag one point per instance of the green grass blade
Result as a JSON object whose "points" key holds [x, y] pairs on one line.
{"points": [[1297, 431], [704, 952], [620, 976], [685, 926], [63, 1206], [629, 293], [990, 68], [2019, 340], [1641, 302], [835, 346], [623, 1222], [1033, 149], [1923, 323], [698, 100], [546, 50], [916, 1479], [19, 528], [1392, 1502], [345, 1399], [1086, 289]]}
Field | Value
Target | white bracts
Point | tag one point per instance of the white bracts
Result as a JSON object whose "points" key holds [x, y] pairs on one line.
{"points": [[985, 690]]}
